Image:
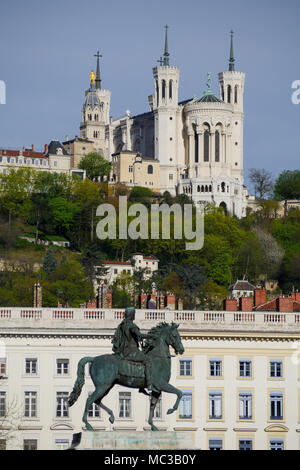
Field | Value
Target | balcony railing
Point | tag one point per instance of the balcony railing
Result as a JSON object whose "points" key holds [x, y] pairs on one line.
{"points": [[88, 318]]}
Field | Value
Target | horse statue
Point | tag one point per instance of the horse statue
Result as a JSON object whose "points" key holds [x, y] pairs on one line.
{"points": [[109, 369]]}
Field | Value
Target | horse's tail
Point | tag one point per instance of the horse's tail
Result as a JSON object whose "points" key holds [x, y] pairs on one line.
{"points": [[79, 381]]}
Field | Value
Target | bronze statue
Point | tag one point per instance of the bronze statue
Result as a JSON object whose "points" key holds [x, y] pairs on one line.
{"points": [[132, 367]]}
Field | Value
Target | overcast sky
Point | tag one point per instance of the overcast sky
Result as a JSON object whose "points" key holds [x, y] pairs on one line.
{"points": [[47, 48]]}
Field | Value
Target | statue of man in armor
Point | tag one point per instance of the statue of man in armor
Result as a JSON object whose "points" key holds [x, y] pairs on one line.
{"points": [[126, 344]]}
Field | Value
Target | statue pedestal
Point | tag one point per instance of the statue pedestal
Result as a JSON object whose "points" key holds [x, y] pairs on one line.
{"points": [[132, 440]]}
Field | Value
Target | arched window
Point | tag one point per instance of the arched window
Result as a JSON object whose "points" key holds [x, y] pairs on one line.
{"points": [[196, 145], [150, 169], [157, 92], [163, 89], [229, 94], [217, 146], [222, 92], [96, 117], [206, 146], [202, 189], [170, 89], [236, 94], [198, 188], [206, 189], [223, 187], [210, 188]]}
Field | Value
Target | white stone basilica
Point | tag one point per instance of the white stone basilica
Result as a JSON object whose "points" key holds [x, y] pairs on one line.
{"points": [[198, 142]]}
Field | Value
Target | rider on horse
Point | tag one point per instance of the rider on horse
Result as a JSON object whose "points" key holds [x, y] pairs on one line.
{"points": [[126, 344]]}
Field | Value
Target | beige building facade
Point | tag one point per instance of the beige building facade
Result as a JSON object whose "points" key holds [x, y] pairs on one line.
{"points": [[131, 169], [239, 375]]}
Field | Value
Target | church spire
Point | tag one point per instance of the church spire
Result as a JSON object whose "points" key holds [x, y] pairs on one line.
{"points": [[166, 51], [98, 79], [231, 58]]}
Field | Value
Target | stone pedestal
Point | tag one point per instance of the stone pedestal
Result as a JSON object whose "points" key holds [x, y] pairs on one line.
{"points": [[132, 440]]}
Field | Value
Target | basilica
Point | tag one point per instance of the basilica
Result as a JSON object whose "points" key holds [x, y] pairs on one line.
{"points": [[198, 142]]}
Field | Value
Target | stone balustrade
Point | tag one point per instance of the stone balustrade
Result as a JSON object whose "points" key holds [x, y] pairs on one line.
{"points": [[96, 318]]}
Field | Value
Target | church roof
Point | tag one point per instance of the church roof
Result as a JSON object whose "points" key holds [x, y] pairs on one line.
{"points": [[92, 99], [209, 97]]}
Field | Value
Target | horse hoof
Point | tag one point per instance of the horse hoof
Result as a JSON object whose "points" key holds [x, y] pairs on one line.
{"points": [[112, 419], [171, 410], [154, 428]]}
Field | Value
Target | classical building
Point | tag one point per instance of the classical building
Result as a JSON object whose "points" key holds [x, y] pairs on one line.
{"points": [[55, 159], [239, 376], [198, 142], [131, 169], [116, 268]]}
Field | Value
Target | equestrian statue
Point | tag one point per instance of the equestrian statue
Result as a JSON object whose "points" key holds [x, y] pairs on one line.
{"points": [[139, 360]]}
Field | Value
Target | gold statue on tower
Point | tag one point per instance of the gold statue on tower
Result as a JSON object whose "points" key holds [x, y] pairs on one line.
{"points": [[92, 77]]}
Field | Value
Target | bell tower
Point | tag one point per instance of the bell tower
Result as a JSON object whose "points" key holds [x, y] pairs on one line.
{"points": [[164, 104], [232, 92], [95, 111]]}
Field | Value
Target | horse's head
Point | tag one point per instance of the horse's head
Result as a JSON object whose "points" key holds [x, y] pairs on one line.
{"points": [[174, 339]]}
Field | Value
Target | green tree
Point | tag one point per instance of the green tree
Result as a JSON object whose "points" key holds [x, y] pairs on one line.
{"points": [[15, 193], [95, 166], [287, 185], [49, 261], [63, 213]]}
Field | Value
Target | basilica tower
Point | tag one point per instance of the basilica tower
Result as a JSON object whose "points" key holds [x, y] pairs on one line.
{"points": [[164, 104], [231, 85], [95, 111]]}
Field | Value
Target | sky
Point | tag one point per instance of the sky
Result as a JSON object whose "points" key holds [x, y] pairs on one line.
{"points": [[47, 52]]}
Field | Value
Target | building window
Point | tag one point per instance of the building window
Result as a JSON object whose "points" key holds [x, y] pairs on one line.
{"points": [[62, 366], [245, 444], [62, 410], [196, 146], [163, 88], [275, 368], [217, 146], [185, 405], [170, 89], [215, 405], [125, 405], [2, 404], [276, 404], [30, 402], [61, 444], [245, 369], [276, 444], [206, 146], [30, 444], [236, 94], [185, 367], [158, 409], [215, 367], [245, 405], [94, 410], [31, 366], [170, 177], [229, 94], [215, 444], [150, 169], [130, 169], [2, 366]]}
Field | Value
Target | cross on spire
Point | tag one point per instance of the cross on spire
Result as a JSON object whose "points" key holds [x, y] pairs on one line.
{"points": [[98, 79]]}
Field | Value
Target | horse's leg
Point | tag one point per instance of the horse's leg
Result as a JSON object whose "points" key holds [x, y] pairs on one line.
{"points": [[105, 408], [98, 394], [166, 387], [153, 401]]}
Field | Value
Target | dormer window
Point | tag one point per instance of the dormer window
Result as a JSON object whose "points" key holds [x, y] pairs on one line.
{"points": [[59, 151]]}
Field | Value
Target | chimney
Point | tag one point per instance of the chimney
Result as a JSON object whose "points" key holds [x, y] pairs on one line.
{"points": [[32, 147], [230, 305], [170, 301], [46, 149], [180, 304], [37, 296], [285, 304], [246, 304], [76, 137], [143, 300], [260, 297]]}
